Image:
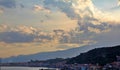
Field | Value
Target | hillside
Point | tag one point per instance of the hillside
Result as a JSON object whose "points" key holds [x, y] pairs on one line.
{"points": [[97, 56]]}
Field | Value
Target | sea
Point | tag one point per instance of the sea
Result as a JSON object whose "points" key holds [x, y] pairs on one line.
{"points": [[27, 68]]}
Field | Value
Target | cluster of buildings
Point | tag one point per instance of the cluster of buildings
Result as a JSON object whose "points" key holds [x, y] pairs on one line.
{"points": [[63, 66], [111, 66]]}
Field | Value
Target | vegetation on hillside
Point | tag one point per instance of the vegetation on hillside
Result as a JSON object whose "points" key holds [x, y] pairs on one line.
{"points": [[99, 56]]}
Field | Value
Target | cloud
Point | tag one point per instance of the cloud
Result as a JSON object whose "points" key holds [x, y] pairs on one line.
{"points": [[8, 3], [109, 38], [81, 10], [73, 8], [118, 2], [16, 34], [1, 10], [97, 31], [3, 27], [74, 23], [14, 37], [22, 6], [25, 30], [62, 6], [21, 34], [84, 11], [38, 8]]}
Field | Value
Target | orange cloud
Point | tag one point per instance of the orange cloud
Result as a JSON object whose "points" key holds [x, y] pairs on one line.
{"points": [[27, 30], [3, 28]]}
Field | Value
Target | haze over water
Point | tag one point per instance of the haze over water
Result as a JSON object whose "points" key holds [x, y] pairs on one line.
{"points": [[22, 68]]}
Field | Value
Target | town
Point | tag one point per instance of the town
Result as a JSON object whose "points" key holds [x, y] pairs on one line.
{"points": [[63, 66]]}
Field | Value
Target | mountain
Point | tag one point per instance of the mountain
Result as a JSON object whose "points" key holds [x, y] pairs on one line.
{"points": [[100, 56], [46, 55], [51, 55]]}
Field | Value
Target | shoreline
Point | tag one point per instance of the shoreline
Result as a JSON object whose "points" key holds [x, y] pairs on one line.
{"points": [[20, 67]]}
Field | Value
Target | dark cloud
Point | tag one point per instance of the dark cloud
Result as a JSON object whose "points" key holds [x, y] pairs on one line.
{"points": [[22, 34], [63, 6], [8, 3], [22, 6], [109, 38], [15, 37], [92, 23], [30, 34]]}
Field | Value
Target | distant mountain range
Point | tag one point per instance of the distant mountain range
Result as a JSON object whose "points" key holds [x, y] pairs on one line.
{"points": [[99, 56], [51, 55]]}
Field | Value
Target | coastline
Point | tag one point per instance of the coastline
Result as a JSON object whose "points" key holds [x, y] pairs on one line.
{"points": [[26, 68]]}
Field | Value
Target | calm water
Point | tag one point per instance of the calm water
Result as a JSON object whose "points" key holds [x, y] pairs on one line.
{"points": [[24, 68]]}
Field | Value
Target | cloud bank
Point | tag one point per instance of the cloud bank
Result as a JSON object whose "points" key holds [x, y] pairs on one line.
{"points": [[8, 3], [84, 11], [25, 34], [87, 15]]}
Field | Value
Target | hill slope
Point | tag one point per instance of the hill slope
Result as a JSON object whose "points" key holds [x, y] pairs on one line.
{"points": [[99, 55]]}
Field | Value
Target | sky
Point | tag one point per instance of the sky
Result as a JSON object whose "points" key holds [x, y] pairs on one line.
{"points": [[33, 26]]}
